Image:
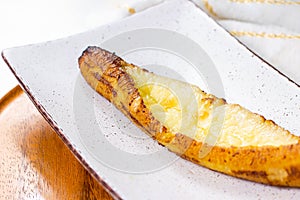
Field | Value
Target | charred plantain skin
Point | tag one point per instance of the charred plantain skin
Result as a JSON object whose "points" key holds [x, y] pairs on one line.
{"points": [[106, 73]]}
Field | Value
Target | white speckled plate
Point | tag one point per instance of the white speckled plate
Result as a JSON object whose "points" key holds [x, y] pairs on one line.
{"points": [[175, 39]]}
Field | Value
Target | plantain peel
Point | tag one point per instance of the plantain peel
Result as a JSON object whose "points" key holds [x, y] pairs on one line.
{"points": [[195, 125]]}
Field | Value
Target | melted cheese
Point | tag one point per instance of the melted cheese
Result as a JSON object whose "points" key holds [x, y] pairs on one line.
{"points": [[184, 108]]}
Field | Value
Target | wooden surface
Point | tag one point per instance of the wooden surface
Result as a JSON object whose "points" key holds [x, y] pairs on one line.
{"points": [[34, 162]]}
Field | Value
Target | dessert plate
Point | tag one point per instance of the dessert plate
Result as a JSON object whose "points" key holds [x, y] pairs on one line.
{"points": [[174, 39]]}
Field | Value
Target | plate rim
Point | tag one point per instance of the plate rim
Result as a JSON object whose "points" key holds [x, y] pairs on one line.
{"points": [[56, 129]]}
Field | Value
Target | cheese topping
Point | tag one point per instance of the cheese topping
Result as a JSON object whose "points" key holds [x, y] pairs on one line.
{"points": [[185, 109]]}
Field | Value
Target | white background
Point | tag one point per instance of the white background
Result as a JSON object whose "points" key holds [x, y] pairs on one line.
{"points": [[33, 21]]}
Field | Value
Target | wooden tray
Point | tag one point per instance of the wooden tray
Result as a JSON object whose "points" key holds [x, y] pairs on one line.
{"points": [[34, 162]]}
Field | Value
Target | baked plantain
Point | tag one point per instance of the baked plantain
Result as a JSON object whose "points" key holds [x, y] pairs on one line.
{"points": [[195, 125]]}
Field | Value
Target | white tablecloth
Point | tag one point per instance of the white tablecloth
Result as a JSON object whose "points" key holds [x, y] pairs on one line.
{"points": [[271, 28]]}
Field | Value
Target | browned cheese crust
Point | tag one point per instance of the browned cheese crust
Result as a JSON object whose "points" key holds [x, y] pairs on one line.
{"points": [[278, 166]]}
